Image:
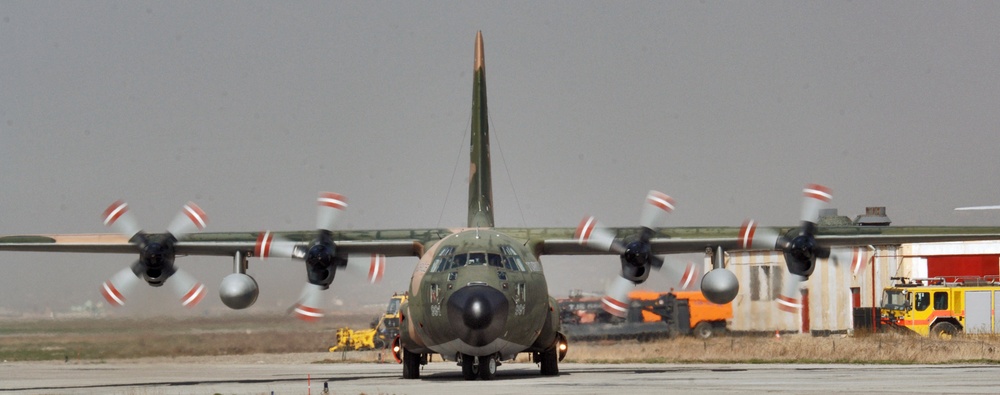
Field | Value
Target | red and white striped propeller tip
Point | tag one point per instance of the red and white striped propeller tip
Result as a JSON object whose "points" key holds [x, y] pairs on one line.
{"points": [[119, 285], [615, 300], [270, 245], [593, 234], [117, 216], [376, 268], [689, 276], [112, 294], [330, 207], [190, 219], [308, 308], [196, 215], [114, 212], [187, 288], [815, 198], [307, 313], [789, 301], [193, 296], [753, 237], [818, 192], [655, 210], [262, 248], [858, 260]]}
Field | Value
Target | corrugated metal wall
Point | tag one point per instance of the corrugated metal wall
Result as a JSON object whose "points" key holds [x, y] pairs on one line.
{"points": [[885, 262], [761, 274]]}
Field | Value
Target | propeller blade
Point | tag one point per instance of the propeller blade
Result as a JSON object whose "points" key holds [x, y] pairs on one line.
{"points": [[119, 285], [687, 273], [654, 212], [857, 257], [118, 217], [815, 199], [190, 219], [595, 235], [309, 307], [268, 245], [789, 301], [187, 288], [331, 206], [616, 300], [690, 277], [751, 237], [371, 267]]}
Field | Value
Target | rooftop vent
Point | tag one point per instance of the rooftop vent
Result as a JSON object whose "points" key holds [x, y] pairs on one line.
{"points": [[829, 217], [874, 216]]}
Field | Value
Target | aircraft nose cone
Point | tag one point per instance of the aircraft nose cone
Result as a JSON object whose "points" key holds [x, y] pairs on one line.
{"points": [[477, 313]]}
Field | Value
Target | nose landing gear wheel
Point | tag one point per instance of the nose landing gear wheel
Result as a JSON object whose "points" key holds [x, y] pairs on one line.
{"points": [[487, 367], [470, 369]]}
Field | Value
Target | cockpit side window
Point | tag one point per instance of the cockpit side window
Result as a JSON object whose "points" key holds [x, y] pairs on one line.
{"points": [[511, 260], [444, 260]]}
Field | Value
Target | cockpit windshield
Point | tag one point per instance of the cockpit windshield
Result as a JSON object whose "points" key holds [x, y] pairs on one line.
{"points": [[447, 259]]}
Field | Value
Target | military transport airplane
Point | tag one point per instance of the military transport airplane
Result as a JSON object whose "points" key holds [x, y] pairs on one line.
{"points": [[478, 295]]}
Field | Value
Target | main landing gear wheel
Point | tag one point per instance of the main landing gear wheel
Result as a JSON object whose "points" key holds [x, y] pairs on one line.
{"points": [[470, 369], [411, 365], [487, 367], [549, 361]]}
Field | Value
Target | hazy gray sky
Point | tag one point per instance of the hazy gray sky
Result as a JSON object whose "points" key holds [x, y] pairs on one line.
{"points": [[251, 108]]}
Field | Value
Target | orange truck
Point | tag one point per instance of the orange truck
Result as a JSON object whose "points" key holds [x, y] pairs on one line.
{"points": [[705, 318], [650, 315]]}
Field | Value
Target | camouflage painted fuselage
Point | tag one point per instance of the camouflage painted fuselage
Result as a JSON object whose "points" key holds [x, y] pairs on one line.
{"points": [[479, 292]]}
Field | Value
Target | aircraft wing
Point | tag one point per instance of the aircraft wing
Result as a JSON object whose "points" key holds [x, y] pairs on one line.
{"points": [[545, 241], [561, 241], [388, 243]]}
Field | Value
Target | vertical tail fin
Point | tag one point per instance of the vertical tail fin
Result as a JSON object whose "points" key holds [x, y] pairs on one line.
{"points": [[480, 180]]}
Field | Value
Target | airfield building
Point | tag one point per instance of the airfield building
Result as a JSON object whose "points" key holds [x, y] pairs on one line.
{"points": [[835, 299]]}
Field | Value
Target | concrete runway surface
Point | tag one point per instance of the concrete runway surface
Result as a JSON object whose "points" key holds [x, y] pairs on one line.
{"points": [[512, 378]]}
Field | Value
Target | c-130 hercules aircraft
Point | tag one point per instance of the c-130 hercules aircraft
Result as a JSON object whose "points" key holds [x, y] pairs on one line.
{"points": [[478, 295]]}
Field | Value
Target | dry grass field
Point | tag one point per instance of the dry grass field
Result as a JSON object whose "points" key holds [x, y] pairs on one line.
{"points": [[102, 338], [863, 349], [92, 339]]}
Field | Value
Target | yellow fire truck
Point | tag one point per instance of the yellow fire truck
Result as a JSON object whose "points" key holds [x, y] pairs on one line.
{"points": [[933, 307]]}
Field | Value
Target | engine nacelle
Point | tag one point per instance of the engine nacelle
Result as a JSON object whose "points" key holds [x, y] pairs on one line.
{"points": [[720, 286], [322, 262], [800, 266], [637, 260], [801, 254], [238, 291], [153, 275]]}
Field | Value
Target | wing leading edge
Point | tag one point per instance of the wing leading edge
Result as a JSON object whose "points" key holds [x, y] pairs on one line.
{"points": [[544, 241]]}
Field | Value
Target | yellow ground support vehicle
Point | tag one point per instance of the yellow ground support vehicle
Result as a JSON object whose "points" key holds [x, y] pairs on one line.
{"points": [[351, 340], [379, 335], [933, 307]]}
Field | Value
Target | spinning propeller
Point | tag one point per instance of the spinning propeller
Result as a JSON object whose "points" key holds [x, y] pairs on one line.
{"points": [[156, 255], [321, 257], [800, 248], [636, 257]]}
